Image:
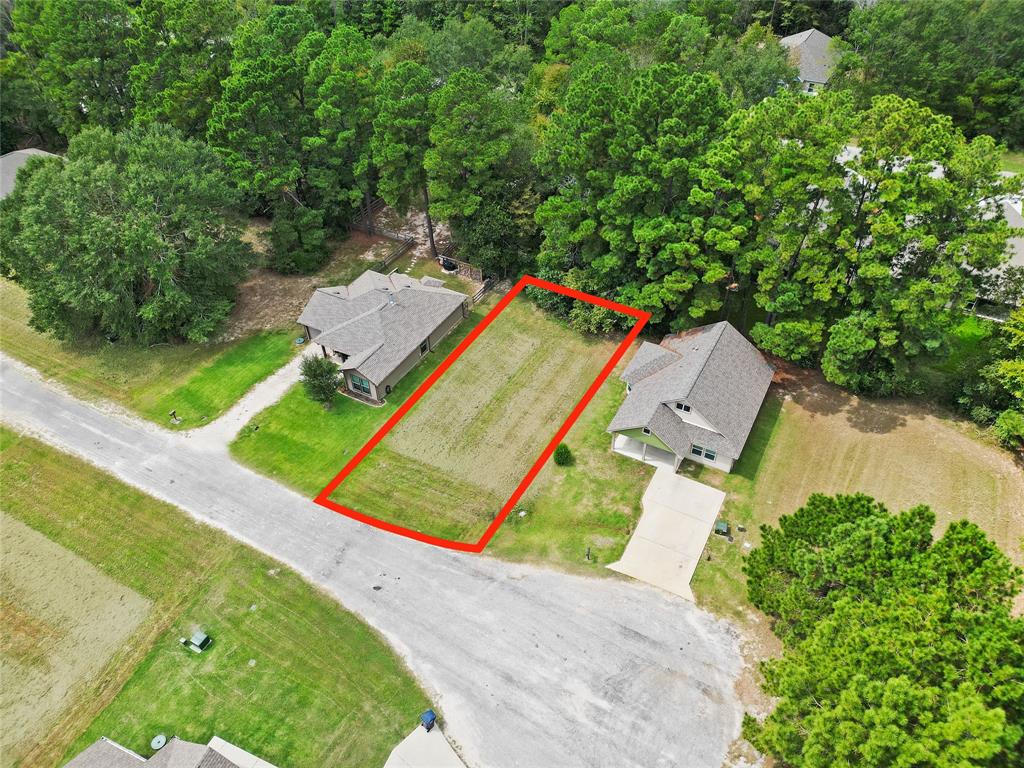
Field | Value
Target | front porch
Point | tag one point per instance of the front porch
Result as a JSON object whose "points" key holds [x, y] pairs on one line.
{"points": [[640, 451]]}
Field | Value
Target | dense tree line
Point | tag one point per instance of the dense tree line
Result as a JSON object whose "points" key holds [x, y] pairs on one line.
{"points": [[964, 58], [653, 152], [897, 649]]}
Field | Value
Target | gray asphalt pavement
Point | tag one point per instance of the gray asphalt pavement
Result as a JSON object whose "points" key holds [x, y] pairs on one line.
{"points": [[532, 668]]}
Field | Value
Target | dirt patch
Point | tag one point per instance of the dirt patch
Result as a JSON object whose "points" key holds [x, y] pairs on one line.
{"points": [[270, 301], [414, 225], [62, 620]]}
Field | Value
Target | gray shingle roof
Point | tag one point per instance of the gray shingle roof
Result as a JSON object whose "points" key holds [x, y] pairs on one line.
{"points": [[11, 162], [104, 753], [715, 370], [378, 320], [811, 51], [178, 753]]}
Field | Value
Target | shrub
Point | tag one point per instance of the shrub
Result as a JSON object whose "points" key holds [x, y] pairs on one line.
{"points": [[321, 378], [563, 456], [1009, 428]]}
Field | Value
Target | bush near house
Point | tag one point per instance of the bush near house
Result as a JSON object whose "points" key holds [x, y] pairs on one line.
{"points": [[321, 379]]}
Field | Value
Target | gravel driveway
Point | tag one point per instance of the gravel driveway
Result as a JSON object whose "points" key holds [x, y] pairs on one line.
{"points": [[530, 667]]}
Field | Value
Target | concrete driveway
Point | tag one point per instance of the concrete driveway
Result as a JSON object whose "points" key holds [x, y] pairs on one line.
{"points": [[679, 514], [529, 667]]}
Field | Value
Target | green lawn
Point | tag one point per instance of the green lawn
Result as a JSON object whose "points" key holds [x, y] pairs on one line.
{"points": [[968, 348], [1013, 161], [303, 445], [594, 503], [200, 380], [453, 460], [291, 676]]}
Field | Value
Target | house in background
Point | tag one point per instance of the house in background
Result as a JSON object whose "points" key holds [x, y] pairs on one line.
{"points": [[377, 328], [811, 52], [176, 753], [11, 163], [694, 396]]}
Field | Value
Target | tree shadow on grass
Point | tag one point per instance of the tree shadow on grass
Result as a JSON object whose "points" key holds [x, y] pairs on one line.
{"points": [[813, 394]]}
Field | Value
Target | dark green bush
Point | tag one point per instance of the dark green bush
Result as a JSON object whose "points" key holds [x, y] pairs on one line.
{"points": [[563, 456]]}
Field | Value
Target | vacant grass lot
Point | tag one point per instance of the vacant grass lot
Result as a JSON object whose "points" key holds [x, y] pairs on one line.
{"points": [[478, 430], [290, 676], [303, 445], [1013, 162], [814, 437], [200, 380]]}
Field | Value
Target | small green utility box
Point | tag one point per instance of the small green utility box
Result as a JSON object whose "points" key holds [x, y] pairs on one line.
{"points": [[722, 528]]}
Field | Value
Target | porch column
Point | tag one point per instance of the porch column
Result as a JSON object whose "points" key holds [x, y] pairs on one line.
{"points": [[643, 452]]}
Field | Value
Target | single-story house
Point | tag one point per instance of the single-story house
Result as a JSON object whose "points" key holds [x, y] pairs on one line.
{"points": [[377, 328], [811, 52], [694, 396], [176, 753], [12, 162]]}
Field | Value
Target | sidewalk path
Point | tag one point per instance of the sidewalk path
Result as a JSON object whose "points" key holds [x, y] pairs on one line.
{"points": [[221, 431], [530, 668]]}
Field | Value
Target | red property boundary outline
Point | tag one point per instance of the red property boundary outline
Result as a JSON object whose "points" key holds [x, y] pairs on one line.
{"points": [[478, 546]]}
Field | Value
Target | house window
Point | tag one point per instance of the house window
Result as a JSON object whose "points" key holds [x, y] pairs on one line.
{"points": [[709, 454], [423, 347], [696, 450], [646, 431], [683, 408], [359, 383]]}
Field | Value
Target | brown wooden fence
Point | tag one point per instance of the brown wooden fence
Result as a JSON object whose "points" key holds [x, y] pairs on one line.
{"points": [[466, 269]]}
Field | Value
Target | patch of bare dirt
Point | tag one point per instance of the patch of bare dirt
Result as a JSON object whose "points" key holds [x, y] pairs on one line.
{"points": [[62, 620], [269, 301], [414, 225]]}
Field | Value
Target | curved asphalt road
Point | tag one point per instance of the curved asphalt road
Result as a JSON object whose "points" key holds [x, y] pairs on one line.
{"points": [[532, 668]]}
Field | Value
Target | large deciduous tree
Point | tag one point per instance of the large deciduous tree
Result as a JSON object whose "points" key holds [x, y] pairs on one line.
{"points": [[126, 238], [897, 650]]}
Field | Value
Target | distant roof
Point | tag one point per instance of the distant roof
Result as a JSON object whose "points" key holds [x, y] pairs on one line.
{"points": [[812, 53], [104, 753], [11, 162], [1012, 211], [378, 320], [176, 753], [715, 370]]}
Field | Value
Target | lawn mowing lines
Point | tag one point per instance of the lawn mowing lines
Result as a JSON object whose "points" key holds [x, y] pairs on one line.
{"points": [[418, 492]]}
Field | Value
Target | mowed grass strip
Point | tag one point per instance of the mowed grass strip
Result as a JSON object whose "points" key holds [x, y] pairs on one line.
{"points": [[304, 445], [592, 504], [432, 501], [201, 381], [291, 676], [483, 424]]}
